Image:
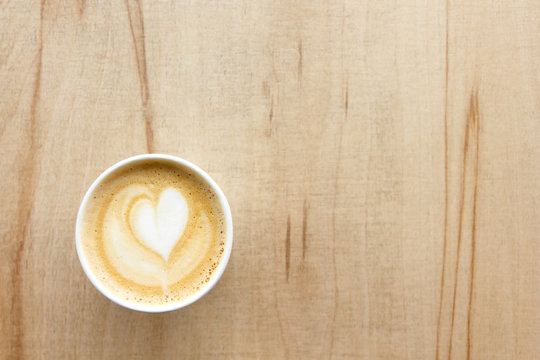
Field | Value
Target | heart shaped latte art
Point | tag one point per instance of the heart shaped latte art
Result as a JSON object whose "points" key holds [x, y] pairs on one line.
{"points": [[160, 227], [140, 231]]}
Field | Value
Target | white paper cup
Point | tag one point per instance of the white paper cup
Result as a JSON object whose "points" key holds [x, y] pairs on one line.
{"points": [[216, 274]]}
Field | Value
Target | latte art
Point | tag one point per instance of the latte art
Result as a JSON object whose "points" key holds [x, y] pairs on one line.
{"points": [[158, 226], [136, 225], [153, 232]]}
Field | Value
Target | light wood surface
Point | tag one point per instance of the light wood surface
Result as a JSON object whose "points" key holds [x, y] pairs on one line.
{"points": [[381, 158]]}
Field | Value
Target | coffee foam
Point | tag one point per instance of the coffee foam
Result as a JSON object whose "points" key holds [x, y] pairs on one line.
{"points": [[153, 232]]}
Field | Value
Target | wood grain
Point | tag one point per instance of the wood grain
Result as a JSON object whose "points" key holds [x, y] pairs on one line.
{"points": [[381, 158]]}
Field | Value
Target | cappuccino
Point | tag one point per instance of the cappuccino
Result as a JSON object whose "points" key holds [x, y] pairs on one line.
{"points": [[153, 232]]}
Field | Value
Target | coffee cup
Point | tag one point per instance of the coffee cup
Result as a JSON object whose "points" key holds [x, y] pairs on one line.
{"points": [[154, 233]]}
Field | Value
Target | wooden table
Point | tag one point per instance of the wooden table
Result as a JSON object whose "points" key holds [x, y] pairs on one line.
{"points": [[382, 160]]}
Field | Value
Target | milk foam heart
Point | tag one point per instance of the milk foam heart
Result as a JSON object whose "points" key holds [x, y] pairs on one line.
{"points": [[159, 228]]}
